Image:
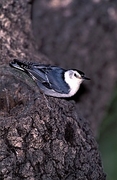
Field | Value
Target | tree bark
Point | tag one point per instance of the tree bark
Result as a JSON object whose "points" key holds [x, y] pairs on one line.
{"points": [[40, 137]]}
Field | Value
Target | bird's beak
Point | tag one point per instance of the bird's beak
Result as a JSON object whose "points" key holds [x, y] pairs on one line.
{"points": [[86, 78]]}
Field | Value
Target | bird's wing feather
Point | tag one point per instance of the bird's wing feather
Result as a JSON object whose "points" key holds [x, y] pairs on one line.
{"points": [[37, 74], [50, 77], [56, 78]]}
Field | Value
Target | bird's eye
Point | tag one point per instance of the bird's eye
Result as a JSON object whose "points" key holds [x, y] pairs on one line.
{"points": [[75, 75]]}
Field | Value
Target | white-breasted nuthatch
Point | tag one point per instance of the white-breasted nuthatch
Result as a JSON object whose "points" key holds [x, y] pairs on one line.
{"points": [[52, 80]]}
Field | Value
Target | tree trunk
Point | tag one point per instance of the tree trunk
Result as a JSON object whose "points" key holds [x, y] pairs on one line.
{"points": [[40, 137]]}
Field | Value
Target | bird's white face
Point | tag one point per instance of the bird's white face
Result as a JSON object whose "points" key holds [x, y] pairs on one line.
{"points": [[73, 79], [73, 76]]}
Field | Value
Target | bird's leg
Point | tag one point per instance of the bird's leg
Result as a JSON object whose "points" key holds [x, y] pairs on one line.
{"points": [[47, 102]]}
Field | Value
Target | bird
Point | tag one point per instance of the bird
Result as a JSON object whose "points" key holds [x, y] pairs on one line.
{"points": [[52, 80]]}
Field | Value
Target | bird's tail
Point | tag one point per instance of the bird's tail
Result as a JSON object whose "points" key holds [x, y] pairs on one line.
{"points": [[19, 65]]}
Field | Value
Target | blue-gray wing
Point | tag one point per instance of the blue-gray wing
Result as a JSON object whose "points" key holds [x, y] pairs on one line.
{"points": [[51, 77]]}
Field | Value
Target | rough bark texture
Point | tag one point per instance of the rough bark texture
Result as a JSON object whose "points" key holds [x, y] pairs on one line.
{"points": [[81, 34], [40, 138]]}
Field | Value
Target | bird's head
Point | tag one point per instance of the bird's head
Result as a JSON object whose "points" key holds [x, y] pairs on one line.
{"points": [[74, 78], [75, 75]]}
